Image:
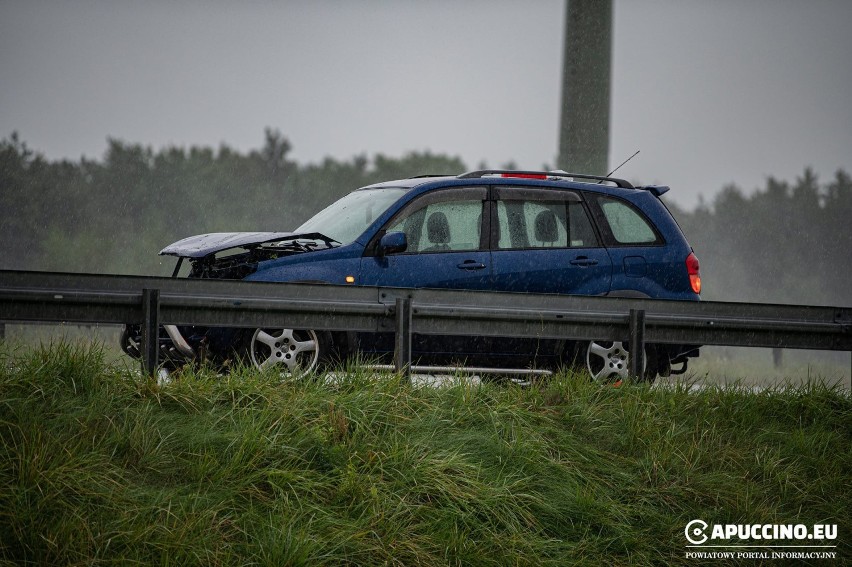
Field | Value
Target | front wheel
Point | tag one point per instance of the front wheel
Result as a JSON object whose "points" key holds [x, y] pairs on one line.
{"points": [[609, 362], [292, 352]]}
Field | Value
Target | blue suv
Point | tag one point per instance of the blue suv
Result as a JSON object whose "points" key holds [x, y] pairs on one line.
{"points": [[510, 231]]}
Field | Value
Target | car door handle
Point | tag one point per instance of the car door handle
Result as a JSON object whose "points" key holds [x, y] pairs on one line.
{"points": [[471, 265], [583, 261]]}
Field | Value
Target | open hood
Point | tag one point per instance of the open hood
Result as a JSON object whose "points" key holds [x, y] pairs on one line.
{"points": [[203, 244]]}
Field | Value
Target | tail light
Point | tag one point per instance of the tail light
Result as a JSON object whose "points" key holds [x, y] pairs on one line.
{"points": [[692, 269]]}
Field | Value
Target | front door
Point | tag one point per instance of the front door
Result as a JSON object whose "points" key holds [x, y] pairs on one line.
{"points": [[447, 249], [445, 244]]}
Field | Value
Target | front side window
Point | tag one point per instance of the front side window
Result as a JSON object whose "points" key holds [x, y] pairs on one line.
{"points": [[543, 224], [627, 225], [444, 226]]}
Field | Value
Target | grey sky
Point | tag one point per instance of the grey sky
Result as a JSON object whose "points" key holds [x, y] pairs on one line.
{"points": [[711, 92]]}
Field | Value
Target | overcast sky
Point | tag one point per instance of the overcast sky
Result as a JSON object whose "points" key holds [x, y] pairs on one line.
{"points": [[710, 91]]}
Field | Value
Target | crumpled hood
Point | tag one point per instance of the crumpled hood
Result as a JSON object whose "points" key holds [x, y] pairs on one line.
{"points": [[203, 244]]}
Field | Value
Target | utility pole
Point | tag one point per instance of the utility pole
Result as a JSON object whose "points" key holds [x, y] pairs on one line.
{"points": [[586, 75]]}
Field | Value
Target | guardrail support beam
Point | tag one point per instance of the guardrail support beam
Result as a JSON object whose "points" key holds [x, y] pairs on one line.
{"points": [[402, 352], [150, 330], [637, 343]]}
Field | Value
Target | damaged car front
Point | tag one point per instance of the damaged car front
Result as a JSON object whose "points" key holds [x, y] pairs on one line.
{"points": [[304, 255]]}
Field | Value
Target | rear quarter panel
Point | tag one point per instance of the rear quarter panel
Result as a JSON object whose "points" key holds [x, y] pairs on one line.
{"points": [[658, 271]]}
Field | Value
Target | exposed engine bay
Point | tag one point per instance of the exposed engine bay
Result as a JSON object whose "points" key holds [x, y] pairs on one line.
{"points": [[239, 262], [230, 256]]}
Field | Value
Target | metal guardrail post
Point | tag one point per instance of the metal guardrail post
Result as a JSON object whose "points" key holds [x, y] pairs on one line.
{"points": [[2, 332], [637, 343], [402, 352], [150, 330]]}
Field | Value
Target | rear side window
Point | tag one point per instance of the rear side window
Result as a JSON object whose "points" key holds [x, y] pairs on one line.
{"points": [[628, 226], [525, 224]]}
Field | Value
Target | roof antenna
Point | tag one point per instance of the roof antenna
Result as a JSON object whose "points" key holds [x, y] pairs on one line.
{"points": [[619, 167]]}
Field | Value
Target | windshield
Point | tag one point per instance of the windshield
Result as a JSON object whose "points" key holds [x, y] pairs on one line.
{"points": [[346, 219]]}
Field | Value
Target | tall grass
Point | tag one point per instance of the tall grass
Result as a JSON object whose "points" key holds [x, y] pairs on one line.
{"points": [[100, 465]]}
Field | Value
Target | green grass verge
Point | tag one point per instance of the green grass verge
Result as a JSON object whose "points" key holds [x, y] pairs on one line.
{"points": [[99, 465]]}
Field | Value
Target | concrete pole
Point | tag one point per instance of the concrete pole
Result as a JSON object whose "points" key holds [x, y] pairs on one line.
{"points": [[584, 131]]}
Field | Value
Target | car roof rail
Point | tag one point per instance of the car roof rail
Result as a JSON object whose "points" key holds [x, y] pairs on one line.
{"points": [[525, 174], [424, 175]]}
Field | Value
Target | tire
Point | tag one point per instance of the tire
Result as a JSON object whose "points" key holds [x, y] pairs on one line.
{"points": [[609, 362]]}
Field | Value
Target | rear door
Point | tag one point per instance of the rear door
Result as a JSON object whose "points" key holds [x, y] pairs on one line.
{"points": [[542, 241]]}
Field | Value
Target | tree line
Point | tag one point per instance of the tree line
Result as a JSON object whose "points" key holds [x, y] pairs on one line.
{"points": [[114, 215], [787, 242]]}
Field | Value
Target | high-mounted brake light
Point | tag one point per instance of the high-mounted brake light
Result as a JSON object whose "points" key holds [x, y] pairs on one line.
{"points": [[525, 175], [692, 268]]}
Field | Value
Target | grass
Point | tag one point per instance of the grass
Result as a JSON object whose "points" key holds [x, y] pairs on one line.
{"points": [[755, 366], [99, 465]]}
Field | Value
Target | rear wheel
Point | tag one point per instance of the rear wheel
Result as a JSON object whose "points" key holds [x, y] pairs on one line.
{"points": [[291, 352], [609, 361]]}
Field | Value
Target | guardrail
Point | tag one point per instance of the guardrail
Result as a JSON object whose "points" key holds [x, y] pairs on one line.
{"points": [[152, 301]]}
